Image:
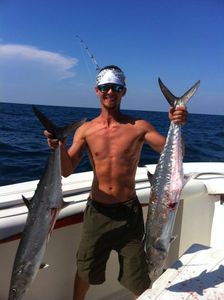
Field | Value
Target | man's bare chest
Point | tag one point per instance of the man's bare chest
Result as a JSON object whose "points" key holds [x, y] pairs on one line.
{"points": [[114, 142]]}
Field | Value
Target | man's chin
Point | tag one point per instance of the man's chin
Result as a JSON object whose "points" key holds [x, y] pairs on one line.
{"points": [[110, 105]]}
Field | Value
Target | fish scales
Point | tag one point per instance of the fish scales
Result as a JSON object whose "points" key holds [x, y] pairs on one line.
{"points": [[166, 186]]}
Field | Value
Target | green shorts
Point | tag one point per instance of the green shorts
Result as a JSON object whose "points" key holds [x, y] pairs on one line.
{"points": [[117, 227]]}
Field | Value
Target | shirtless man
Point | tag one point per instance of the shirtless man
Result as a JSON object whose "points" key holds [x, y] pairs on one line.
{"points": [[113, 216]]}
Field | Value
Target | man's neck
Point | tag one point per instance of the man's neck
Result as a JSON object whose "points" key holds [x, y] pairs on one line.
{"points": [[110, 116]]}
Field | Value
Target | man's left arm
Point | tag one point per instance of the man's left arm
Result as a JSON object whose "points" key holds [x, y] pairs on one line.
{"points": [[157, 141]]}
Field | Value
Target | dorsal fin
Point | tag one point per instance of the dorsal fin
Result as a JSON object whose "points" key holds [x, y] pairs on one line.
{"points": [[27, 202]]}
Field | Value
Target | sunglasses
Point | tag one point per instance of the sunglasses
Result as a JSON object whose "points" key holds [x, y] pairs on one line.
{"points": [[104, 88]]}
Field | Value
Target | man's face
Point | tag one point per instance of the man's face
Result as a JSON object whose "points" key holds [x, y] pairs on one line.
{"points": [[110, 95]]}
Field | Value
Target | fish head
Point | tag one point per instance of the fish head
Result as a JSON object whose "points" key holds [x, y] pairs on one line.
{"points": [[156, 259], [21, 280], [14, 294]]}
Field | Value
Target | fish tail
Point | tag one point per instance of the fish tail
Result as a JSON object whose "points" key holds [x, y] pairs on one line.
{"points": [[175, 101], [60, 133]]}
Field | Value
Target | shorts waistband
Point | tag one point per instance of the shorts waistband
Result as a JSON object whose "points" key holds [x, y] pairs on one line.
{"points": [[96, 203]]}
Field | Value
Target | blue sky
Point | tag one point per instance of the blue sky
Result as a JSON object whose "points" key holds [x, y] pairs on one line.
{"points": [[42, 61]]}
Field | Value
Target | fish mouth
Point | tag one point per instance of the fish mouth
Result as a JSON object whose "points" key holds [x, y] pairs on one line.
{"points": [[15, 293]]}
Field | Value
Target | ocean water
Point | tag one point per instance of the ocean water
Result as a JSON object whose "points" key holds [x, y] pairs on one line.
{"points": [[24, 150]]}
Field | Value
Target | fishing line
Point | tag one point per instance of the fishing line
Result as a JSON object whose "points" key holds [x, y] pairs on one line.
{"points": [[91, 56], [86, 64]]}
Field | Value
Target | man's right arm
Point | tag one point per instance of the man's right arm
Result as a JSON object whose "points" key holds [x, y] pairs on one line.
{"points": [[71, 157]]}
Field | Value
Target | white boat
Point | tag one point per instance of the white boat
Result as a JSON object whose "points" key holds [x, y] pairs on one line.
{"points": [[200, 220]]}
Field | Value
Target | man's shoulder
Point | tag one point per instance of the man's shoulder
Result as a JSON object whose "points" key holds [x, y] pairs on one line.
{"points": [[124, 118], [138, 123], [144, 124], [88, 125]]}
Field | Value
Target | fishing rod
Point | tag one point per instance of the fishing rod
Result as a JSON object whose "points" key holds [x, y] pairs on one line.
{"points": [[91, 56]]}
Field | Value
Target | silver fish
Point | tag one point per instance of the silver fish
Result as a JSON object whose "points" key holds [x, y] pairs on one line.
{"points": [[43, 210], [166, 185]]}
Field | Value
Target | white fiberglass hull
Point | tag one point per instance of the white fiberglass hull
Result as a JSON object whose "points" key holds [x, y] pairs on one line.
{"points": [[199, 220]]}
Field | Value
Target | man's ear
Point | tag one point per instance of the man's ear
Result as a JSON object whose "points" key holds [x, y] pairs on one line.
{"points": [[97, 90], [124, 92]]}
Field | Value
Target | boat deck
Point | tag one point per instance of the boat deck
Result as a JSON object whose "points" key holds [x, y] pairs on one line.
{"points": [[198, 274]]}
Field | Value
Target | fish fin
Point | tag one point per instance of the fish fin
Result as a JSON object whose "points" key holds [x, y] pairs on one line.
{"points": [[187, 96], [65, 204], [161, 247], [173, 100], [44, 266], [188, 178], [64, 132], [45, 121], [150, 176], [167, 93], [173, 239], [27, 202], [60, 133]]}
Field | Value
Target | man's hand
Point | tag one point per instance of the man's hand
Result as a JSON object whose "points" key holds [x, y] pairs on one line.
{"points": [[178, 115], [53, 143]]}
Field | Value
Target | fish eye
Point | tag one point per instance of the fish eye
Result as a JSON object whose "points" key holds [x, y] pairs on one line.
{"points": [[14, 291]]}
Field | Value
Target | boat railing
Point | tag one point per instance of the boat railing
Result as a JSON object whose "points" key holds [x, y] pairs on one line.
{"points": [[76, 189]]}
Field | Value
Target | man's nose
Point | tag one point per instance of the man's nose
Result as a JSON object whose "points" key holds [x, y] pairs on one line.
{"points": [[110, 91]]}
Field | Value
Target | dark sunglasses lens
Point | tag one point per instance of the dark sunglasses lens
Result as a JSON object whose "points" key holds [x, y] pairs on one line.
{"points": [[106, 87], [118, 88], [103, 88]]}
